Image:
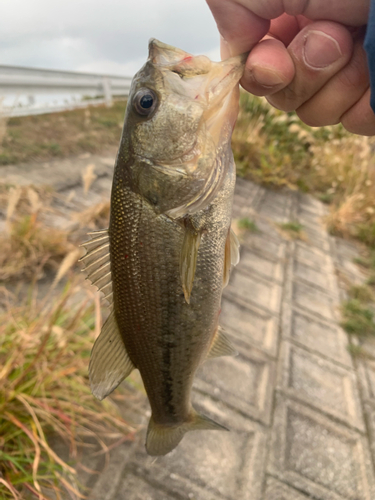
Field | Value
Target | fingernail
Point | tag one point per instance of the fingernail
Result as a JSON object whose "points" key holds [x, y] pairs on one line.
{"points": [[266, 77], [320, 50]]}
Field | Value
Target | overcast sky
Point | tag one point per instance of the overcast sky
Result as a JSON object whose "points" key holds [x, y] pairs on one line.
{"points": [[101, 36]]}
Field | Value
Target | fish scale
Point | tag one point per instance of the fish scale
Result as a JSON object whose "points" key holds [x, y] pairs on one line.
{"points": [[170, 247]]}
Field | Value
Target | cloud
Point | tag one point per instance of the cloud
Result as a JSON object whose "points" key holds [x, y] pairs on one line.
{"points": [[93, 35]]}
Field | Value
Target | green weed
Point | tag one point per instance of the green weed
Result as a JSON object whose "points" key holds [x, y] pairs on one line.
{"points": [[358, 318]]}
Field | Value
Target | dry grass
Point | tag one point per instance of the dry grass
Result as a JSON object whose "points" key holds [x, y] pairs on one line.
{"points": [[44, 391], [95, 217], [28, 245], [277, 150], [43, 137]]}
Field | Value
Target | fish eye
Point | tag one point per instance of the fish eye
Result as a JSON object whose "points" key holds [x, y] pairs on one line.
{"points": [[145, 101]]}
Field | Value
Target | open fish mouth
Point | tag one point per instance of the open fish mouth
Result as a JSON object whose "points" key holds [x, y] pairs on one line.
{"points": [[206, 81]]}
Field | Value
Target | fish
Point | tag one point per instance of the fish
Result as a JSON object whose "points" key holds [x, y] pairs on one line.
{"points": [[164, 260]]}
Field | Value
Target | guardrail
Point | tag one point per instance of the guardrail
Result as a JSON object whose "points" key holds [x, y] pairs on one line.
{"points": [[30, 82]]}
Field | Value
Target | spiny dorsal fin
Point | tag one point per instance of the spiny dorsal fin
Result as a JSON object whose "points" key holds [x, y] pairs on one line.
{"points": [[188, 260], [232, 255], [221, 346], [109, 362], [161, 439], [98, 264]]}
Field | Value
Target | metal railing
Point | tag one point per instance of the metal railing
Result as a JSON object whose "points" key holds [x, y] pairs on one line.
{"points": [[30, 82]]}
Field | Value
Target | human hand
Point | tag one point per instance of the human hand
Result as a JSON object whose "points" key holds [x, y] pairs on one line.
{"points": [[306, 56]]}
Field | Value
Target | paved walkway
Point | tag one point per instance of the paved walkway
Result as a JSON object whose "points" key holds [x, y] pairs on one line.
{"points": [[301, 412]]}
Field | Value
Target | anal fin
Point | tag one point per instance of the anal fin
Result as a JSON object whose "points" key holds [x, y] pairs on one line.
{"points": [[188, 260], [221, 346], [109, 363]]}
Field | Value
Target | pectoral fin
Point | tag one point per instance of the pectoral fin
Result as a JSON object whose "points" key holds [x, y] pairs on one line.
{"points": [[232, 255], [188, 260], [109, 362], [221, 346]]}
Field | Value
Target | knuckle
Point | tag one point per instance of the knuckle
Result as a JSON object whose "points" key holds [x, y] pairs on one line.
{"points": [[287, 99], [355, 73], [314, 118]]}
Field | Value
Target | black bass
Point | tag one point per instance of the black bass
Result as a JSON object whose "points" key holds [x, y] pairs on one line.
{"points": [[167, 254]]}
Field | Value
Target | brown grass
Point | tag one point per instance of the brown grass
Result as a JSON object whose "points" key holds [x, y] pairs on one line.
{"points": [[276, 149], [44, 391], [28, 246]]}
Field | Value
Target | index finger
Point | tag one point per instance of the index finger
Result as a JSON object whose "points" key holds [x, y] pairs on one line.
{"points": [[239, 26]]}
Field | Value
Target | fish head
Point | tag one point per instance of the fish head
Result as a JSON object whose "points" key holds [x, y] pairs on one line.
{"points": [[180, 116]]}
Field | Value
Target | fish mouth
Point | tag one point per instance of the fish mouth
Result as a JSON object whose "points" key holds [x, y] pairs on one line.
{"points": [[198, 77], [225, 76]]}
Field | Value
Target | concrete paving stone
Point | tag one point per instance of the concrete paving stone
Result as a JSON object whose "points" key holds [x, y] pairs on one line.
{"points": [[315, 239], [310, 217], [275, 490], [133, 486], [309, 204], [318, 456], [263, 293], [278, 216], [219, 378], [368, 344], [242, 211], [107, 484], [328, 387], [313, 228], [246, 191], [226, 464], [345, 254], [314, 300], [346, 249], [322, 337], [249, 325], [269, 228], [369, 410], [366, 372], [157, 483], [313, 257], [282, 198], [273, 249], [270, 269], [325, 280]]}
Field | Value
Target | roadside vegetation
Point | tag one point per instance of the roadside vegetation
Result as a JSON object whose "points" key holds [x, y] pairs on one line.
{"points": [[44, 392], [58, 135], [275, 149], [45, 344]]}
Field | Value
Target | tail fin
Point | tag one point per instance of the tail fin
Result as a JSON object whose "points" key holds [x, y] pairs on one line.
{"points": [[162, 439]]}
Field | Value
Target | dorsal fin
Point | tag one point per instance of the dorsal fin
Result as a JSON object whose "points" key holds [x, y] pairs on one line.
{"points": [[109, 361], [98, 264]]}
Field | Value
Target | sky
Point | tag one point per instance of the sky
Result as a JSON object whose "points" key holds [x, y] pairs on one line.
{"points": [[101, 36]]}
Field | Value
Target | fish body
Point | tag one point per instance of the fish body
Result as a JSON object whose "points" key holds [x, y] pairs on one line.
{"points": [[166, 256]]}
